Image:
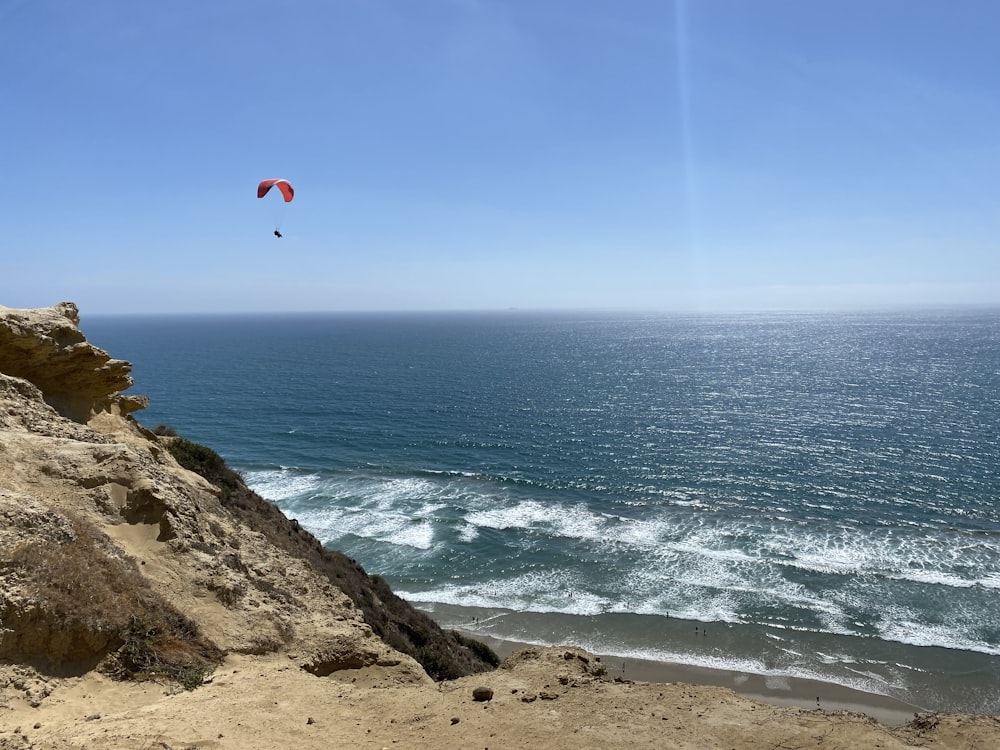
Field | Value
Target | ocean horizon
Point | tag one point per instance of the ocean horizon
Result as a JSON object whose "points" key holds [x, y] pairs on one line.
{"points": [[806, 494]]}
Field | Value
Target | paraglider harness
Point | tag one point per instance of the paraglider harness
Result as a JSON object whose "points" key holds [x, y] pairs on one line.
{"points": [[277, 233]]}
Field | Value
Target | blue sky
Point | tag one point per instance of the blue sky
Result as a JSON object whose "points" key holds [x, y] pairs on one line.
{"points": [[488, 154]]}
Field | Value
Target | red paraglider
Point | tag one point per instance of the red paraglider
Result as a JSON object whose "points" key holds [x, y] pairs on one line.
{"points": [[283, 185]]}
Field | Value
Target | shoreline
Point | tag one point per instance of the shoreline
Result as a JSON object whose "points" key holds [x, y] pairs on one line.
{"points": [[797, 692], [782, 668]]}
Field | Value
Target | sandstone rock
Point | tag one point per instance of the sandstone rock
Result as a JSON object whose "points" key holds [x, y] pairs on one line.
{"points": [[571, 666], [46, 348], [350, 651]]}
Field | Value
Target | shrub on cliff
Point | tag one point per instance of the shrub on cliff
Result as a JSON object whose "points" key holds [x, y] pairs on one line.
{"points": [[205, 462], [91, 602]]}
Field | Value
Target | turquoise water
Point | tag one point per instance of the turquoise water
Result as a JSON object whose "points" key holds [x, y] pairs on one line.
{"points": [[817, 492]]}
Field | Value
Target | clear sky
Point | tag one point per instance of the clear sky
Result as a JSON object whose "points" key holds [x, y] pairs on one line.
{"points": [[489, 154]]}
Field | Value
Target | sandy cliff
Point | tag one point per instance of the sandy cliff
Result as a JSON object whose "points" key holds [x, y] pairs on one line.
{"points": [[145, 604]]}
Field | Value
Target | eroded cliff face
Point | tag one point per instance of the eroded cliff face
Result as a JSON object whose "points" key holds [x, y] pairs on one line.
{"points": [[107, 544], [47, 348]]}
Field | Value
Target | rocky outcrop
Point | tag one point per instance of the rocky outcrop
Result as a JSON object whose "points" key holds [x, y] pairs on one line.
{"points": [[46, 348], [115, 554]]}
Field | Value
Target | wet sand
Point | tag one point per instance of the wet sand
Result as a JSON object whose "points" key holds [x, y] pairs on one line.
{"points": [[782, 691]]}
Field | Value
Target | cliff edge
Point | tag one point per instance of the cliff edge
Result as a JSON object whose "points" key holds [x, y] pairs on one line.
{"points": [[117, 556]]}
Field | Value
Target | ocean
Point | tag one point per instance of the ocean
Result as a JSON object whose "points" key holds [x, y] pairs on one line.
{"points": [[790, 494]]}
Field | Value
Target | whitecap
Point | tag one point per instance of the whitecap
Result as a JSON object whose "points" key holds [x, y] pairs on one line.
{"points": [[468, 533], [283, 484]]}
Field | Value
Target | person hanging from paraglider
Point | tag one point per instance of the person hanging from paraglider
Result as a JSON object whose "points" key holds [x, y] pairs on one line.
{"points": [[284, 187]]}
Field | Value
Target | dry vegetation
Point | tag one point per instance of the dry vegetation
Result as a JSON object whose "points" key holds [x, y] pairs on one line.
{"points": [[96, 598]]}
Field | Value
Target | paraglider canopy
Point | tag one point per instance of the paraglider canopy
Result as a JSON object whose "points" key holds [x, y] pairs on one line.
{"points": [[283, 185]]}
